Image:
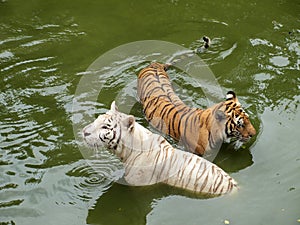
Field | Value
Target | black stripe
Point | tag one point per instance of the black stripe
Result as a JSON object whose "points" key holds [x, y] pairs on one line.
{"points": [[188, 116], [180, 120], [150, 93], [155, 109], [165, 109], [145, 85]]}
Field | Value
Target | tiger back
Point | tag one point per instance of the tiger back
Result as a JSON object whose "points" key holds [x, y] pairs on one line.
{"points": [[200, 131]]}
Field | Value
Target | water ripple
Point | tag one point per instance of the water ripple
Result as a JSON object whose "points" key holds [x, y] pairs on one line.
{"points": [[95, 176], [26, 62], [14, 39], [16, 133], [34, 135]]}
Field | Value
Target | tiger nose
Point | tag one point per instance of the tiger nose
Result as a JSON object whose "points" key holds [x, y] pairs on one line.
{"points": [[251, 133], [86, 133]]}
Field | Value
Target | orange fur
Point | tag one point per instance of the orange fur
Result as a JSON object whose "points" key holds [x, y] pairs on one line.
{"points": [[200, 130]]}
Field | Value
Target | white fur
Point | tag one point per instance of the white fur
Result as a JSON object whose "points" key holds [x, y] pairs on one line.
{"points": [[148, 158]]}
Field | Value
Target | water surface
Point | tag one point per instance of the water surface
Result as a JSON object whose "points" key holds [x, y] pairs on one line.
{"points": [[45, 49]]}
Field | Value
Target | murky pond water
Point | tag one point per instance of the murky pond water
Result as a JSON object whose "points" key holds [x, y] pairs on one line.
{"points": [[45, 49]]}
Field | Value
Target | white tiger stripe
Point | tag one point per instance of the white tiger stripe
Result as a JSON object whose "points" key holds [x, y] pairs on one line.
{"points": [[148, 158]]}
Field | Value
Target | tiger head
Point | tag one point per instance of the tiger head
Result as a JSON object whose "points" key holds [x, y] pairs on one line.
{"points": [[238, 124], [107, 129]]}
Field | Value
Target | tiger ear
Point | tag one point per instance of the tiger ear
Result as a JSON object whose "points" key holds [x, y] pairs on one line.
{"points": [[113, 107], [220, 115], [231, 96], [129, 123]]}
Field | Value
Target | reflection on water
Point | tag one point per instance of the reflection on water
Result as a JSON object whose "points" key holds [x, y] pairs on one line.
{"points": [[45, 49], [278, 64]]}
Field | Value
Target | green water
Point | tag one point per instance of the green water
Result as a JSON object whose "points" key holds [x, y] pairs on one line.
{"points": [[45, 49]]}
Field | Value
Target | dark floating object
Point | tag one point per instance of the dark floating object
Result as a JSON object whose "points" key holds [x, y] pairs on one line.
{"points": [[207, 42]]}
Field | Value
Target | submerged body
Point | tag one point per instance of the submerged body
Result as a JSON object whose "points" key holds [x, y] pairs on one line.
{"points": [[148, 158], [200, 130]]}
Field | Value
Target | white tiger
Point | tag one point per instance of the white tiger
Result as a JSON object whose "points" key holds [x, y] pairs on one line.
{"points": [[148, 158]]}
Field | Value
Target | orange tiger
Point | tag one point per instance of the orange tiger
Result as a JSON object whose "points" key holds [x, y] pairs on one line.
{"points": [[200, 130]]}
